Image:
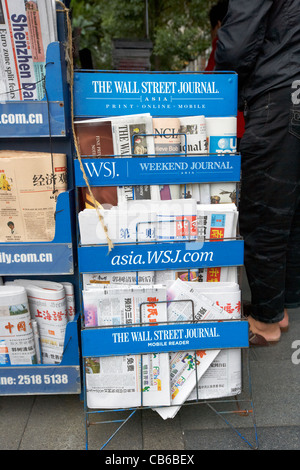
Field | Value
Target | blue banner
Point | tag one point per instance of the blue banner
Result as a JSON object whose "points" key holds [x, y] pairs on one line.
{"points": [[40, 380], [55, 257], [164, 338], [33, 118], [107, 93], [160, 256], [158, 170], [34, 259]]}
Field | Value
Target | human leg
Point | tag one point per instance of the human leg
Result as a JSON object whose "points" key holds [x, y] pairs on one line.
{"points": [[269, 198]]}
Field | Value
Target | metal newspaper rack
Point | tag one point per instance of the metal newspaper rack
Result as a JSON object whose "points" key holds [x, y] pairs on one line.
{"points": [[93, 97], [36, 125]]}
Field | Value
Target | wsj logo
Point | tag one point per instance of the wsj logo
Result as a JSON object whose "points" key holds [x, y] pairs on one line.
{"points": [[101, 169], [296, 94]]}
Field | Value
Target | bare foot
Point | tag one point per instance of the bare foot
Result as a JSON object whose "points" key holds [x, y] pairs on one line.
{"points": [[284, 323], [270, 331]]}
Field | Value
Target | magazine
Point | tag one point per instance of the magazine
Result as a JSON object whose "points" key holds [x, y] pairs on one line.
{"points": [[94, 138]]}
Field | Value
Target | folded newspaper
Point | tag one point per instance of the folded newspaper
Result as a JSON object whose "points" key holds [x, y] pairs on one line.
{"points": [[30, 183], [141, 221], [16, 333], [194, 142], [48, 306], [116, 382], [129, 278], [216, 222], [167, 141], [27, 28], [224, 376], [126, 136], [215, 274], [186, 368]]}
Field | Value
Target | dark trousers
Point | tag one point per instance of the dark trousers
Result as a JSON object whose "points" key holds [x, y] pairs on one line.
{"points": [[270, 203]]}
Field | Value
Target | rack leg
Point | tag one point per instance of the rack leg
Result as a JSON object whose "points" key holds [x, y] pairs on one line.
{"points": [[117, 430]]}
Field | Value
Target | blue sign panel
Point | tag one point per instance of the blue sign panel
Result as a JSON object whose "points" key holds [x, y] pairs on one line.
{"points": [[31, 119], [161, 256], [47, 258], [34, 118], [158, 170], [163, 94], [55, 257], [164, 338], [39, 380]]}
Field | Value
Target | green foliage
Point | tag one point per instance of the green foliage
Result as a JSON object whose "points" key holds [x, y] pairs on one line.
{"points": [[179, 29]]}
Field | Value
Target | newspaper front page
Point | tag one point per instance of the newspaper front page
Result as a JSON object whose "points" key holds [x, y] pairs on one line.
{"points": [[187, 367], [116, 382], [167, 142], [224, 376], [216, 222], [26, 29], [29, 187], [133, 135], [16, 331], [48, 306], [193, 142], [130, 278]]}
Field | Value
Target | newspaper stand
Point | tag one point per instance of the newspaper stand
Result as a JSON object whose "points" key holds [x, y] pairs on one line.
{"points": [[43, 125], [95, 96]]}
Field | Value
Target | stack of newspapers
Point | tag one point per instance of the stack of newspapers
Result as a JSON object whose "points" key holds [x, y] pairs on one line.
{"points": [[30, 183], [26, 30], [33, 319], [146, 221], [137, 221], [144, 135], [163, 381]]}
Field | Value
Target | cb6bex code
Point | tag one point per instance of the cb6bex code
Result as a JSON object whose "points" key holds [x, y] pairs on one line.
{"points": [[170, 459]]}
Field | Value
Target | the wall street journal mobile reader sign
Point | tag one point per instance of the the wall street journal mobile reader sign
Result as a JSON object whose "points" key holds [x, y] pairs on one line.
{"points": [[107, 93], [164, 338]]}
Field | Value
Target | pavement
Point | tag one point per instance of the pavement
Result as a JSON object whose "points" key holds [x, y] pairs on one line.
{"points": [[272, 420]]}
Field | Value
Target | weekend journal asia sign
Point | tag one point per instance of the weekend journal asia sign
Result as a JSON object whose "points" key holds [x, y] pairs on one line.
{"points": [[161, 170], [164, 94]]}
